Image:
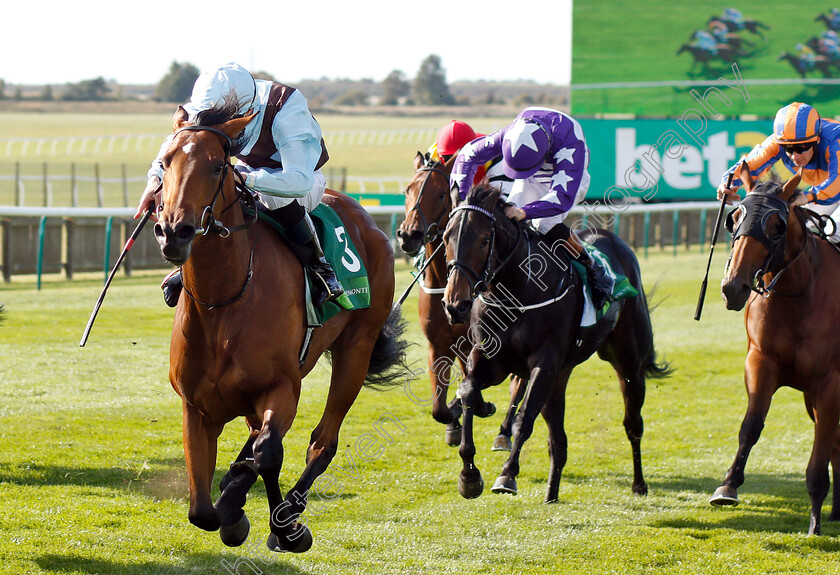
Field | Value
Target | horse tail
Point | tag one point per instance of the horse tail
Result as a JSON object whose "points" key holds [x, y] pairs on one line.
{"points": [[653, 368], [388, 361]]}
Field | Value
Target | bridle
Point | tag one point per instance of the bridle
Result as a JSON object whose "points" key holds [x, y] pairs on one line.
{"points": [[431, 232], [208, 223], [756, 210], [479, 282]]}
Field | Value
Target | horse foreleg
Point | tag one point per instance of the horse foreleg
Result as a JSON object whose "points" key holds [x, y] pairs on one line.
{"points": [[200, 441], [470, 483], [761, 382], [826, 413], [517, 392], [544, 381], [442, 372], [234, 487], [278, 409]]}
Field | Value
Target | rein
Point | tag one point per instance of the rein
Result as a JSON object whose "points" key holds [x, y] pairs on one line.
{"points": [[208, 223]]}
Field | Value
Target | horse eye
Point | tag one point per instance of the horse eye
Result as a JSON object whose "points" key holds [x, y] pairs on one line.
{"points": [[217, 169]]}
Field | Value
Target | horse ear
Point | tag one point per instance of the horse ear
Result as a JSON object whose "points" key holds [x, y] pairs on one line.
{"points": [[179, 119], [418, 161], [746, 178], [450, 162], [789, 189], [234, 127]]}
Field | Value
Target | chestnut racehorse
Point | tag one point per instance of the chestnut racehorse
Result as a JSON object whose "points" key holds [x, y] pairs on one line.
{"points": [[787, 277], [528, 315], [427, 207], [239, 330]]}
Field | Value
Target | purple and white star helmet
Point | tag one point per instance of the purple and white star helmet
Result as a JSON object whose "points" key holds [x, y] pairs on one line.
{"points": [[524, 148]]}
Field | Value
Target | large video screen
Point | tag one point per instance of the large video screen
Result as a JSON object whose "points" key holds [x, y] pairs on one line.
{"points": [[658, 58]]}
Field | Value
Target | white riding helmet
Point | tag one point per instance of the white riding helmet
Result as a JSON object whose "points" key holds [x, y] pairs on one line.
{"points": [[212, 87]]}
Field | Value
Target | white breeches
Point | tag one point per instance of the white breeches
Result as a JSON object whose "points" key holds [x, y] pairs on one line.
{"points": [[310, 201]]}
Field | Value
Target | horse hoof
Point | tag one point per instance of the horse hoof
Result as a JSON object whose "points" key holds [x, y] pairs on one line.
{"points": [[298, 542], [724, 496], [501, 443], [236, 534], [640, 489], [470, 489], [505, 484], [453, 436], [485, 409]]}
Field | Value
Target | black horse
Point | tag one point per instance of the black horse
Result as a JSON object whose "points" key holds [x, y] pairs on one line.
{"points": [[528, 316]]}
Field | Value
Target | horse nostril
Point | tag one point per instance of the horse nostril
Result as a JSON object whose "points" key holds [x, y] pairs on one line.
{"points": [[159, 233], [416, 236], [185, 233], [464, 307]]}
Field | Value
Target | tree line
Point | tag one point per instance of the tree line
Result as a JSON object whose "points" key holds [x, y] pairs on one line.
{"points": [[428, 87]]}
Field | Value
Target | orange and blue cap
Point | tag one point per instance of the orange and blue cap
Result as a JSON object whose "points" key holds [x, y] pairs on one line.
{"points": [[796, 123]]}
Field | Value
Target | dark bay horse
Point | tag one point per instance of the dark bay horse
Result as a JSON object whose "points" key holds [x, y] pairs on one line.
{"points": [[787, 278], [427, 207], [239, 329], [528, 317]]}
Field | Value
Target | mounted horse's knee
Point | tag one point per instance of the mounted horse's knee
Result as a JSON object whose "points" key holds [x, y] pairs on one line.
{"points": [[268, 451]]}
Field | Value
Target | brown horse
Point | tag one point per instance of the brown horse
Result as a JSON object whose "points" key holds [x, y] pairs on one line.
{"points": [[791, 330], [528, 317], [427, 207], [239, 329]]}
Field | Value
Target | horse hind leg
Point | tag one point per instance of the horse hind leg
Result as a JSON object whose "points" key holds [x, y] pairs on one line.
{"points": [[517, 392], [554, 413], [835, 480], [826, 412]]}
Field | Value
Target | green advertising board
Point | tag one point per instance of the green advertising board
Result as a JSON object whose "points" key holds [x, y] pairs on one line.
{"points": [[665, 160]]}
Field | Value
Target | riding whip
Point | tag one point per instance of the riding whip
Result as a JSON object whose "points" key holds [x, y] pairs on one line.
{"points": [[702, 297], [128, 244], [419, 275]]}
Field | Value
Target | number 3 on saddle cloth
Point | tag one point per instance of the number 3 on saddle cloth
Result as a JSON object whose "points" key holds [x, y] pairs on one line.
{"points": [[343, 257], [622, 288]]}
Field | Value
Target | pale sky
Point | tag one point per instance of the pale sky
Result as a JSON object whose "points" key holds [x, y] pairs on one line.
{"points": [[56, 42]]}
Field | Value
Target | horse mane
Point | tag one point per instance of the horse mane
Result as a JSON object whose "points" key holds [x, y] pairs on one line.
{"points": [[220, 113]]}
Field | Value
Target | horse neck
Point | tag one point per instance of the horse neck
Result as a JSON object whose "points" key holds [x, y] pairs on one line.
{"points": [[218, 267], [514, 257]]}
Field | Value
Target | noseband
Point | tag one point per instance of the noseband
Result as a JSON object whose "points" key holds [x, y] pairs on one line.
{"points": [[208, 223], [756, 210], [432, 231], [480, 281]]}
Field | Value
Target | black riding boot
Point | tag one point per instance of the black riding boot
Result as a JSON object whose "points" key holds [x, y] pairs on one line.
{"points": [[171, 287], [600, 284], [325, 285]]}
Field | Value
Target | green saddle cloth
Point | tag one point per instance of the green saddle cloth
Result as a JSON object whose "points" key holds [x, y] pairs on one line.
{"points": [[345, 260], [622, 288]]}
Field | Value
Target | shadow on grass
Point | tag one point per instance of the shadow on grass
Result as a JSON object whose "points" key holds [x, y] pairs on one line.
{"points": [[206, 563]]}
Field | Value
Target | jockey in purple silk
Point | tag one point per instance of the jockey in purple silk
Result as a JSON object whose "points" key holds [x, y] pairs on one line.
{"points": [[545, 153]]}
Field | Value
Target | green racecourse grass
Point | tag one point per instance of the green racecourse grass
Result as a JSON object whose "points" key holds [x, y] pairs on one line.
{"points": [[629, 41], [92, 477]]}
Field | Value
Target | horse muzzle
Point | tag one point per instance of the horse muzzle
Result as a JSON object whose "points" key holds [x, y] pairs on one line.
{"points": [[175, 240], [458, 312], [410, 242], [735, 293]]}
